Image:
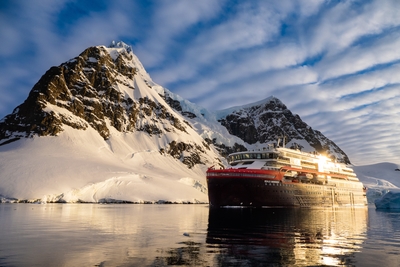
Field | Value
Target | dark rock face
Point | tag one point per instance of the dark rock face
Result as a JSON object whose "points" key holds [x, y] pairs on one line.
{"points": [[175, 104], [225, 150], [85, 90], [187, 153], [272, 120]]}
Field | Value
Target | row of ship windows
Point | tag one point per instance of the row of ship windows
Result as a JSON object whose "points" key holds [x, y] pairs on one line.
{"points": [[275, 156], [309, 193], [347, 187], [297, 156], [337, 190], [293, 192], [305, 166], [253, 156], [277, 184], [239, 174]]}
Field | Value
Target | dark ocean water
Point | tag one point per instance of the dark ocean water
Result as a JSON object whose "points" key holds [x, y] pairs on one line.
{"points": [[193, 235]]}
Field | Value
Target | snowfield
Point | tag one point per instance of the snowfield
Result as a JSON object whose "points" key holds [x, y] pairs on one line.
{"points": [[79, 166]]}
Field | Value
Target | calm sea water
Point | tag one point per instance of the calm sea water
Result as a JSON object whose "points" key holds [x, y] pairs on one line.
{"points": [[193, 235]]}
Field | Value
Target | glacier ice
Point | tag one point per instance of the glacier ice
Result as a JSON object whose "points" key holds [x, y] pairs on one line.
{"points": [[389, 201]]}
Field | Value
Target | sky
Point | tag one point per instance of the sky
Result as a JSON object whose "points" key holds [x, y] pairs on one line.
{"points": [[334, 63]]}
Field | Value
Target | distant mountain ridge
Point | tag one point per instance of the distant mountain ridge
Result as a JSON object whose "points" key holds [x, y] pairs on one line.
{"points": [[106, 91]]}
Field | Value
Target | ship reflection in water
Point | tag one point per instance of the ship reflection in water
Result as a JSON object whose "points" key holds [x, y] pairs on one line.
{"points": [[286, 237], [194, 235]]}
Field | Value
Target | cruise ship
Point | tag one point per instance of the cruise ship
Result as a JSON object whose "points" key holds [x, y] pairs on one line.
{"points": [[282, 177]]}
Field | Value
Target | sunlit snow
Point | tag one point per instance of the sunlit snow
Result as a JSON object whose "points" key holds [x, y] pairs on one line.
{"points": [[79, 166]]}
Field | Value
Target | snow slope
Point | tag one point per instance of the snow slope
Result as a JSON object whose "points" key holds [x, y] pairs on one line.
{"points": [[80, 166]]}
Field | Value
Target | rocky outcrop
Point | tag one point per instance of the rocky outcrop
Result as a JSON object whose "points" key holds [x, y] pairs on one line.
{"points": [[189, 154], [85, 92]]}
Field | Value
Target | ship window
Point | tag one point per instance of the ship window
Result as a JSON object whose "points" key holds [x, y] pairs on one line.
{"points": [[247, 162], [273, 156], [234, 164]]}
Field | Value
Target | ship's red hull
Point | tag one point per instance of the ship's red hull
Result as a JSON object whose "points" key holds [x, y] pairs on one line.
{"points": [[258, 188]]}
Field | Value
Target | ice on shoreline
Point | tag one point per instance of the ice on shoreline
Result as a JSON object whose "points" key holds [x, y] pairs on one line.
{"points": [[389, 201]]}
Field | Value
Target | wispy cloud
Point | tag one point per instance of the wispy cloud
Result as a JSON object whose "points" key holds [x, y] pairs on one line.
{"points": [[169, 21]]}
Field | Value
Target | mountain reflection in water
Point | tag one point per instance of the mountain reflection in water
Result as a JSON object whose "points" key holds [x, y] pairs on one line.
{"points": [[286, 237]]}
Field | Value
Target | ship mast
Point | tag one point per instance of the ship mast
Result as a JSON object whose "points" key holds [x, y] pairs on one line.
{"points": [[283, 141]]}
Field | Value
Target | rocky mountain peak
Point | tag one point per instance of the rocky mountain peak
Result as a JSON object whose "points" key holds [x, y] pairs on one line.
{"points": [[268, 120], [96, 89]]}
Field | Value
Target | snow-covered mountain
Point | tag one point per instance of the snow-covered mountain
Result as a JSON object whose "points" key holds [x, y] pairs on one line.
{"points": [[98, 129]]}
